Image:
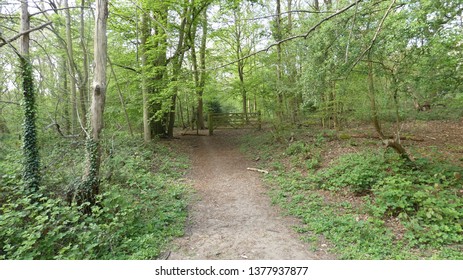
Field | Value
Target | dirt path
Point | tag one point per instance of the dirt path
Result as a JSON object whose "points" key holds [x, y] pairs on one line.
{"points": [[232, 217]]}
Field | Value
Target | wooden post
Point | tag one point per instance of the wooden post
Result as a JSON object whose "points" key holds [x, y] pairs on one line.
{"points": [[259, 121], [210, 124]]}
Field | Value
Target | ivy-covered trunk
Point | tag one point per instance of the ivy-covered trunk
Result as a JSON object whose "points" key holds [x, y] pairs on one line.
{"points": [[31, 171]]}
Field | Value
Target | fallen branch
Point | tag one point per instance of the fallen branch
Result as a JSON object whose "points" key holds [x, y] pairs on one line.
{"points": [[257, 170], [366, 136]]}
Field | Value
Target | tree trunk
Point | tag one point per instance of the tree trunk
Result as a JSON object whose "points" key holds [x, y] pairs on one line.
{"points": [[240, 64], [177, 67], [121, 98], [83, 81], [31, 171], [371, 95], [144, 77], [196, 75], [158, 84], [242, 87], [72, 71], [389, 143], [91, 181], [202, 74], [278, 36]]}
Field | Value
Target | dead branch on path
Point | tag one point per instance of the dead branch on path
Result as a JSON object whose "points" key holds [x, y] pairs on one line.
{"points": [[257, 170]]}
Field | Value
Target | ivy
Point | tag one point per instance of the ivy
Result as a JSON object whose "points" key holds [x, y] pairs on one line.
{"points": [[31, 172]]}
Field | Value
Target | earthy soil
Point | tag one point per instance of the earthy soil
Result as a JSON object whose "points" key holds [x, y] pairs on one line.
{"points": [[231, 216]]}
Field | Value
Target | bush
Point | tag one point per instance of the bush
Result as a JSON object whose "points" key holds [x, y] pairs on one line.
{"points": [[359, 172]]}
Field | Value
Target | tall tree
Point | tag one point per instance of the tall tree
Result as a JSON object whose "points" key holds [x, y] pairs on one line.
{"points": [[72, 69], [83, 74], [238, 35], [145, 33], [90, 186], [31, 172], [199, 69], [278, 35], [184, 28]]}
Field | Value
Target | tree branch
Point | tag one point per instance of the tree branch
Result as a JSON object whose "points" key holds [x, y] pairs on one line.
{"points": [[304, 36], [289, 12], [58, 9], [375, 37], [10, 102], [126, 67], [17, 36]]}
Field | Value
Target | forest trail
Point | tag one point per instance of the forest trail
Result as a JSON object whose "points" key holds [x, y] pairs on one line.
{"points": [[232, 216]]}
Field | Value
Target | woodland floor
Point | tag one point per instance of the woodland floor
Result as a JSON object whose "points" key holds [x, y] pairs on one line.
{"points": [[231, 216]]}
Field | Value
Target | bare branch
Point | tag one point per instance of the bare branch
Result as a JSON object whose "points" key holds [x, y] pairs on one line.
{"points": [[17, 36]]}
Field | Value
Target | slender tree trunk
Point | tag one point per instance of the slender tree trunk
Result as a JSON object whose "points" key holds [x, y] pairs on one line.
{"points": [[65, 94], [278, 37], [371, 95], [196, 73], [177, 67], [72, 69], [91, 181], [240, 64], [202, 74], [144, 82], [390, 143], [121, 98], [31, 171], [83, 81]]}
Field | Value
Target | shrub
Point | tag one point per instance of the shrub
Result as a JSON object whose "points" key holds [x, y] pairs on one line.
{"points": [[359, 172]]}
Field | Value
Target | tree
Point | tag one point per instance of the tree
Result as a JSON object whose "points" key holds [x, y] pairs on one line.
{"points": [[199, 71], [90, 185], [145, 32], [72, 70], [31, 173]]}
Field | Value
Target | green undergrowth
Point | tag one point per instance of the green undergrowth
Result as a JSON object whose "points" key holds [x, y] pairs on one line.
{"points": [[369, 204], [142, 205]]}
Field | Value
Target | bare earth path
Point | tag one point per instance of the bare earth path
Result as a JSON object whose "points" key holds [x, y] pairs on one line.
{"points": [[232, 217]]}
